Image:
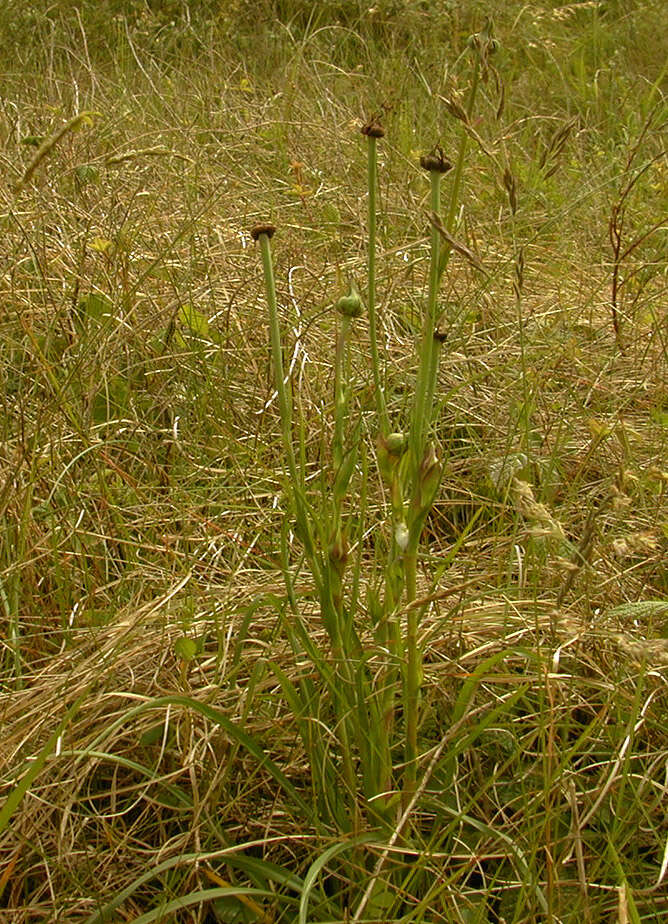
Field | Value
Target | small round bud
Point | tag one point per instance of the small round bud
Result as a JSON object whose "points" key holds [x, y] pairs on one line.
{"points": [[396, 442], [262, 228], [350, 305]]}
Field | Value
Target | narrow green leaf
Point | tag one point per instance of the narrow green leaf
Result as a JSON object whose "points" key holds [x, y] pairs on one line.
{"points": [[320, 863], [214, 715], [162, 912], [255, 868]]}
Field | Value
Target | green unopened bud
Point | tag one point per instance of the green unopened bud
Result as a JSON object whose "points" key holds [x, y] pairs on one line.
{"points": [[487, 37], [390, 450], [483, 42], [429, 478], [401, 536], [396, 443], [350, 305], [338, 552], [429, 464]]}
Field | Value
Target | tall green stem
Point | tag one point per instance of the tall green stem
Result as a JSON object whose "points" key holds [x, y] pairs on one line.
{"points": [[459, 171], [424, 396], [412, 683], [371, 294], [262, 234], [423, 389], [432, 343], [283, 388]]}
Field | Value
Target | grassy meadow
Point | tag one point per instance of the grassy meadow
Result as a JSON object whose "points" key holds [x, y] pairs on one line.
{"points": [[333, 462]]}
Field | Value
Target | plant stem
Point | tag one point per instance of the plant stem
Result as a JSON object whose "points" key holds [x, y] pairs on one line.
{"points": [[371, 294], [432, 343], [412, 684], [459, 171], [282, 387], [424, 399], [423, 390], [285, 407]]}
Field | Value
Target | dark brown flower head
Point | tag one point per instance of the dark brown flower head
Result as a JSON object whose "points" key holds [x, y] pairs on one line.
{"points": [[435, 161], [372, 128], [262, 228]]}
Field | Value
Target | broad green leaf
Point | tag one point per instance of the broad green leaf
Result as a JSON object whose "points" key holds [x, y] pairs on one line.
{"points": [[197, 322], [660, 416], [112, 400], [94, 307], [185, 648], [86, 173], [101, 245]]}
